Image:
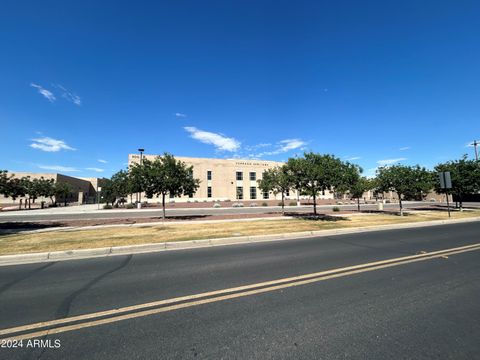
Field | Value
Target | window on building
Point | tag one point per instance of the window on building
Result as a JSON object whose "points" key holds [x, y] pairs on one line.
{"points": [[253, 192], [287, 193], [190, 196], [253, 176], [171, 196], [209, 175], [209, 192], [239, 176], [265, 195], [239, 193]]}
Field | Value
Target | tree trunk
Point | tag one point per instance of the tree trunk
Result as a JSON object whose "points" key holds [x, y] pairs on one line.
{"points": [[29, 204], [358, 204], [20, 205], [400, 203], [314, 204], [283, 204], [163, 205]]}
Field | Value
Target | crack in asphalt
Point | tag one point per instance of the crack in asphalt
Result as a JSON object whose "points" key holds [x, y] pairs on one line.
{"points": [[64, 308]]}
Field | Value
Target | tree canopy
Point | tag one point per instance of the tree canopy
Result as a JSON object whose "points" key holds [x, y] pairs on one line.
{"points": [[277, 181], [406, 181], [465, 175]]}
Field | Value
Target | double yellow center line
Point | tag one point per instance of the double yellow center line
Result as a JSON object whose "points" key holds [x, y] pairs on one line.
{"points": [[130, 312]]}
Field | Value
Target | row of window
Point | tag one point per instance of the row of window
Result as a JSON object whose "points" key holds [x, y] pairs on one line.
{"points": [[253, 193], [239, 175], [252, 176]]}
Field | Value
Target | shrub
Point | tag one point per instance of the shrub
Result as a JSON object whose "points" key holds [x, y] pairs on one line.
{"points": [[336, 208], [279, 203], [217, 205], [130, 206], [339, 203], [227, 200], [292, 203], [264, 204], [237, 205], [253, 205], [107, 207]]}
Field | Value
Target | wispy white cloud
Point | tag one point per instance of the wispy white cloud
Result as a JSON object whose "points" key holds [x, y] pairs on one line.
{"points": [[95, 169], [59, 168], [102, 161], [390, 161], [50, 145], [69, 96], [180, 115], [404, 148], [257, 146], [284, 146], [353, 158], [46, 93], [220, 141]]}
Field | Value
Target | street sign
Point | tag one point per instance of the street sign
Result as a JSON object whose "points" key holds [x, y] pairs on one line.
{"points": [[445, 183], [445, 180]]}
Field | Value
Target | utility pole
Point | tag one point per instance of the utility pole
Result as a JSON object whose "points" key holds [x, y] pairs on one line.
{"points": [[475, 144]]}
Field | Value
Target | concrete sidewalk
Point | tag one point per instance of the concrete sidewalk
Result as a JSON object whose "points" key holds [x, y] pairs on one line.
{"points": [[192, 244]]}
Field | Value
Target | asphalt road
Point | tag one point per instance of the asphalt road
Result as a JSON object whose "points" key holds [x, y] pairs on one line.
{"points": [[147, 213], [426, 309]]}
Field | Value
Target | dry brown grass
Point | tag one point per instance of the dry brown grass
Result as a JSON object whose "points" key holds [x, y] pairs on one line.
{"points": [[118, 236]]}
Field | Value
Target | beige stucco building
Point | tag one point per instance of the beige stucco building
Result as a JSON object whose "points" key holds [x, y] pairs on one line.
{"points": [[84, 190], [226, 179]]}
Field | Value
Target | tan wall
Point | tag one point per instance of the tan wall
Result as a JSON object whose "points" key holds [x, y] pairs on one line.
{"points": [[224, 182]]}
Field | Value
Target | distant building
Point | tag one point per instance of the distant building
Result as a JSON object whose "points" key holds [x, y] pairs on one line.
{"points": [[84, 190], [226, 179]]}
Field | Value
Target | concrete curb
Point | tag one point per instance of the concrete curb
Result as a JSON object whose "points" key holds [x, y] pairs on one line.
{"points": [[53, 256]]}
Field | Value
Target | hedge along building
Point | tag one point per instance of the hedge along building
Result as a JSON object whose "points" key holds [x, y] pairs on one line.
{"points": [[226, 179]]}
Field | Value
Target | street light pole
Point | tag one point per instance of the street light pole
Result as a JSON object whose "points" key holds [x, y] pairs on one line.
{"points": [[141, 158], [475, 144]]}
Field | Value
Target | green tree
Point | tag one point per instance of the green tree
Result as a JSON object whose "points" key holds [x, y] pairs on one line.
{"points": [[277, 181], [121, 185], [405, 181], [31, 190], [166, 176], [108, 193], [4, 182], [348, 176], [14, 188], [62, 190], [47, 188], [465, 175], [314, 174], [359, 187]]}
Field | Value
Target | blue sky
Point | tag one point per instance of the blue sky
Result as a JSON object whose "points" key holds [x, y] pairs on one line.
{"points": [[85, 83]]}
